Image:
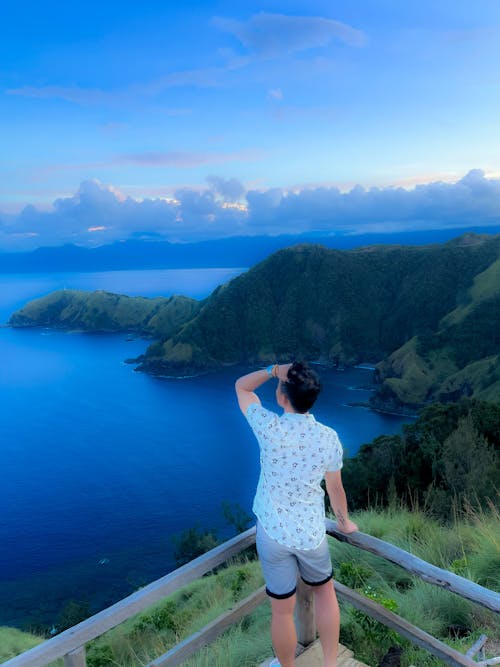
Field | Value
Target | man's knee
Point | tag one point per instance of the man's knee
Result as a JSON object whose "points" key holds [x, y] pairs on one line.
{"points": [[325, 591], [283, 607], [323, 587]]}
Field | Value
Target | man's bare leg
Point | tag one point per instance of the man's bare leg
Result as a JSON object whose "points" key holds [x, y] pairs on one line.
{"points": [[283, 631], [327, 621]]}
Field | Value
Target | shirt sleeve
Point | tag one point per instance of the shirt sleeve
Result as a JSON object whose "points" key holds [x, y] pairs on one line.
{"points": [[260, 420], [337, 453]]}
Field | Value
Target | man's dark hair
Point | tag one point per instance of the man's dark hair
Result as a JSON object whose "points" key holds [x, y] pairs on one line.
{"points": [[302, 386]]}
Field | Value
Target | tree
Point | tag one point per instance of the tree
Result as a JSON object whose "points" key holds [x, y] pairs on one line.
{"points": [[469, 462], [236, 516], [192, 543]]}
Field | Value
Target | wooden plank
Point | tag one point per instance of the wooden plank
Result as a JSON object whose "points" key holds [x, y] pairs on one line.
{"points": [[477, 646], [313, 655], [76, 658], [429, 573], [96, 625], [195, 642], [304, 614], [411, 632]]}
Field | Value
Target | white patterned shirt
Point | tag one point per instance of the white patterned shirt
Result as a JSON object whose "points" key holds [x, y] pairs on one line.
{"points": [[295, 453]]}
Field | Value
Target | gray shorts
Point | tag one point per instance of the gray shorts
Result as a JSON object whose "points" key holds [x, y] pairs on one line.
{"points": [[281, 565]]}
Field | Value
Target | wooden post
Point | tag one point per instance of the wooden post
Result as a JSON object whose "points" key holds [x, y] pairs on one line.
{"points": [[76, 658], [304, 614]]}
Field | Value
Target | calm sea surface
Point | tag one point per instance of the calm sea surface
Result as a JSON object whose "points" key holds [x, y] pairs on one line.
{"points": [[100, 466]]}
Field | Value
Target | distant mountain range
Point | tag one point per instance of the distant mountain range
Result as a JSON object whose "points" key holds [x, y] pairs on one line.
{"points": [[429, 317], [229, 252]]}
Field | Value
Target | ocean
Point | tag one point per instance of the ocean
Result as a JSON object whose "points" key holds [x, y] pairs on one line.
{"points": [[102, 466]]}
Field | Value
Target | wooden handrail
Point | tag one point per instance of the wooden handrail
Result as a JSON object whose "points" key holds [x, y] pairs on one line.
{"points": [[69, 644], [421, 568], [417, 636], [189, 646], [97, 625]]}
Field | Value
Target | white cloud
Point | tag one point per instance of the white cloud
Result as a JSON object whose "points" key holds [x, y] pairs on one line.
{"points": [[230, 189], [102, 214]]}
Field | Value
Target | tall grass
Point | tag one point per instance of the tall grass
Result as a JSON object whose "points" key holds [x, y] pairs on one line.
{"points": [[470, 547], [154, 632], [13, 642]]}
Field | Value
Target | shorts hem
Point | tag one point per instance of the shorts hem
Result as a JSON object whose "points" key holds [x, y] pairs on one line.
{"points": [[318, 583], [280, 596]]}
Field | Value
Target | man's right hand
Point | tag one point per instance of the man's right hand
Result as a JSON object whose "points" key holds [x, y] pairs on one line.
{"points": [[347, 526], [282, 373]]}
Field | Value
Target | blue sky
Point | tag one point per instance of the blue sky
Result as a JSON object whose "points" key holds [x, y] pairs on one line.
{"points": [[202, 119]]}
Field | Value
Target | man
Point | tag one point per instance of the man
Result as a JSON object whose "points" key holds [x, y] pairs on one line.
{"points": [[296, 454]]}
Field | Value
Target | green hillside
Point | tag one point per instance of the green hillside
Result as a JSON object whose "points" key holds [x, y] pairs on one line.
{"points": [[105, 312], [461, 357], [430, 313], [429, 316]]}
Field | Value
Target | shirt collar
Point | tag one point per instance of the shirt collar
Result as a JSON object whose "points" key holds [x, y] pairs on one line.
{"points": [[297, 415]]}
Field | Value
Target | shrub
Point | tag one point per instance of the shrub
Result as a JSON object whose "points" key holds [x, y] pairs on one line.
{"points": [[192, 543]]}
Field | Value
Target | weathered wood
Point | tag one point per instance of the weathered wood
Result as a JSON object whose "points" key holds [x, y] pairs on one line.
{"points": [[313, 657], [76, 658], [304, 614], [96, 625], [411, 632], [195, 642], [477, 646], [429, 573]]}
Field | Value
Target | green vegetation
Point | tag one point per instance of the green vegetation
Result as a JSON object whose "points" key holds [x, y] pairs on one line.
{"points": [[105, 312], [192, 543], [430, 313], [469, 546], [446, 461], [13, 642]]}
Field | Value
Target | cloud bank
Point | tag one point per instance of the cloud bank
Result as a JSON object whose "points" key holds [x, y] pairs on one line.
{"points": [[99, 214]]}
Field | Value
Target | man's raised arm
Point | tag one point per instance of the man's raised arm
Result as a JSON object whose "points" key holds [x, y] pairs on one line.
{"points": [[246, 384]]}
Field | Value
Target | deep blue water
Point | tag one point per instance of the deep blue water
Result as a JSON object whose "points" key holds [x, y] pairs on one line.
{"points": [[101, 465]]}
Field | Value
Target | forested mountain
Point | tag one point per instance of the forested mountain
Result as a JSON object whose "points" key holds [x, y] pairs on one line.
{"points": [[429, 316], [446, 460], [430, 313]]}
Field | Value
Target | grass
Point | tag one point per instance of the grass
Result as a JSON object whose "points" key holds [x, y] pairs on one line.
{"points": [[469, 547], [485, 286], [154, 632], [13, 642]]}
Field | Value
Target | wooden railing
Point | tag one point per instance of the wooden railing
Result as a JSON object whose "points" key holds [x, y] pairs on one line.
{"points": [[70, 644]]}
